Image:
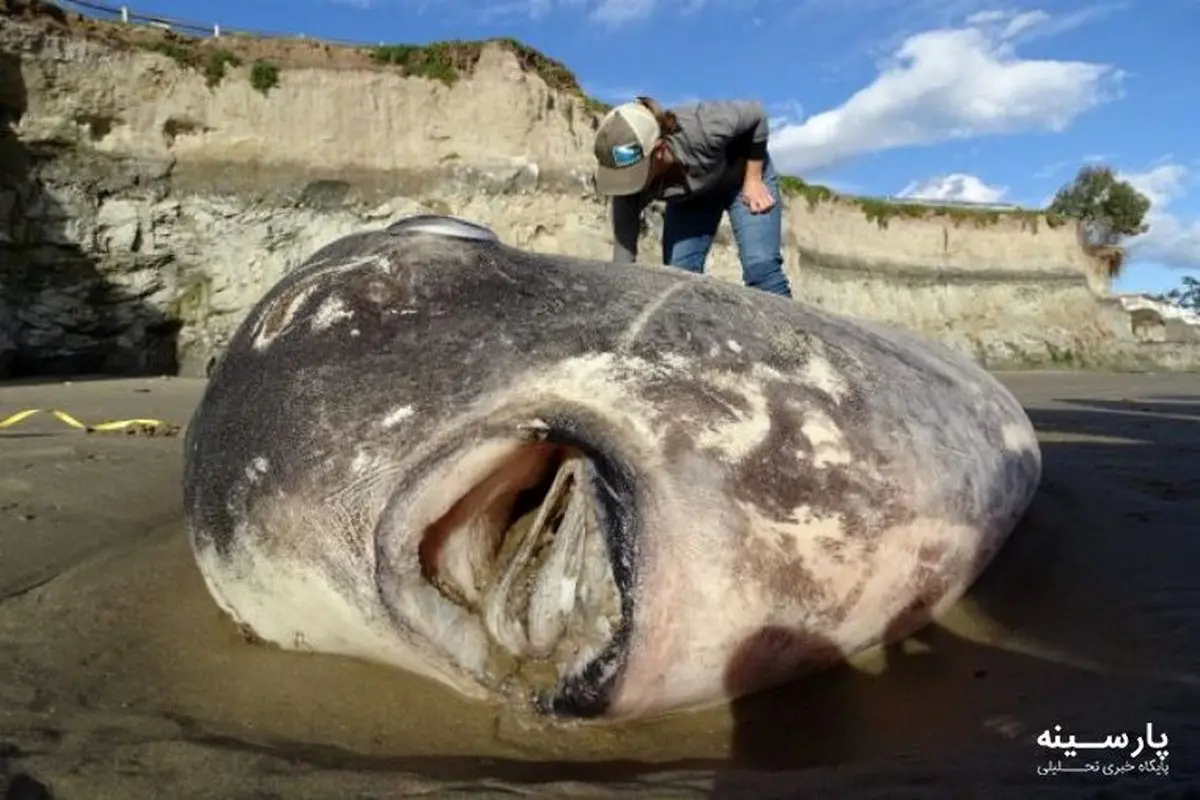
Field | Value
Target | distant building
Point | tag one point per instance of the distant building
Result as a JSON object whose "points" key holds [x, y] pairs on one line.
{"points": [[1158, 321]]}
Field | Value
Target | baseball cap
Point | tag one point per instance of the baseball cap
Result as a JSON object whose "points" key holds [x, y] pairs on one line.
{"points": [[623, 143]]}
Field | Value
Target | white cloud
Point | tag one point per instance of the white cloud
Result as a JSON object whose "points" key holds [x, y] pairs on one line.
{"points": [[947, 84], [1010, 24], [619, 12], [1037, 24], [1040, 25], [957, 186], [1161, 184], [1170, 240]]}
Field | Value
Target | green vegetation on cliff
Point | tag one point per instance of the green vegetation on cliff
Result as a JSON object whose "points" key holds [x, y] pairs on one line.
{"points": [[449, 61], [180, 52], [264, 76], [440, 61], [213, 63], [881, 211], [214, 66]]}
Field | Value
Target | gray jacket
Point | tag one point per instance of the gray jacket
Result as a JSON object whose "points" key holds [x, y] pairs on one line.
{"points": [[714, 141]]}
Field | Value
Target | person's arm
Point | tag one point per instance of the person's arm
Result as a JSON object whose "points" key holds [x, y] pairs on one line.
{"points": [[626, 225], [754, 170]]}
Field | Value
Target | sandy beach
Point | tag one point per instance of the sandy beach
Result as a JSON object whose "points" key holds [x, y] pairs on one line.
{"points": [[119, 678]]}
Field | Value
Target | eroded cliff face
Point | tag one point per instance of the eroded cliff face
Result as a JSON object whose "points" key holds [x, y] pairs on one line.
{"points": [[144, 208]]}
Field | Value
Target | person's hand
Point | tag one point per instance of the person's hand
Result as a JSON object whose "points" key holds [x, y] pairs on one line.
{"points": [[757, 197]]}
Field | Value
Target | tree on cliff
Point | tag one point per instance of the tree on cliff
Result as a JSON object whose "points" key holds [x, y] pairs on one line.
{"points": [[1109, 209]]}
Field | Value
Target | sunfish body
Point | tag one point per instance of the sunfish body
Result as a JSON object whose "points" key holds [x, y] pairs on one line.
{"points": [[614, 490]]}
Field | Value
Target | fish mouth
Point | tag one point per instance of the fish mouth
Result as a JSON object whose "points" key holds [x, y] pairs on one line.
{"points": [[539, 551]]}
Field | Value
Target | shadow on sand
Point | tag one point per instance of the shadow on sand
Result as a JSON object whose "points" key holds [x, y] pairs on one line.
{"points": [[60, 315], [1099, 584]]}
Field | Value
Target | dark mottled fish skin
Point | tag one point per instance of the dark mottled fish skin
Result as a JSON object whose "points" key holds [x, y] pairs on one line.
{"points": [[436, 316]]}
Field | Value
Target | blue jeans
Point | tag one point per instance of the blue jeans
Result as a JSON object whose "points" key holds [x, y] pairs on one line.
{"points": [[689, 228]]}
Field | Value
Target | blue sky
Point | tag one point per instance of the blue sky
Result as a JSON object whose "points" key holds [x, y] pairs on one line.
{"points": [[969, 99]]}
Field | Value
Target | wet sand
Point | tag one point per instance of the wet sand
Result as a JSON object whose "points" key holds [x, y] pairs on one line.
{"points": [[120, 679]]}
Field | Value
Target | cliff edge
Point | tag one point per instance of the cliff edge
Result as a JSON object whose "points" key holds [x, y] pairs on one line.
{"points": [[152, 186]]}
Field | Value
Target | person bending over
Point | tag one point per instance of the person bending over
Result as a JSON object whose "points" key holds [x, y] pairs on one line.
{"points": [[703, 159]]}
